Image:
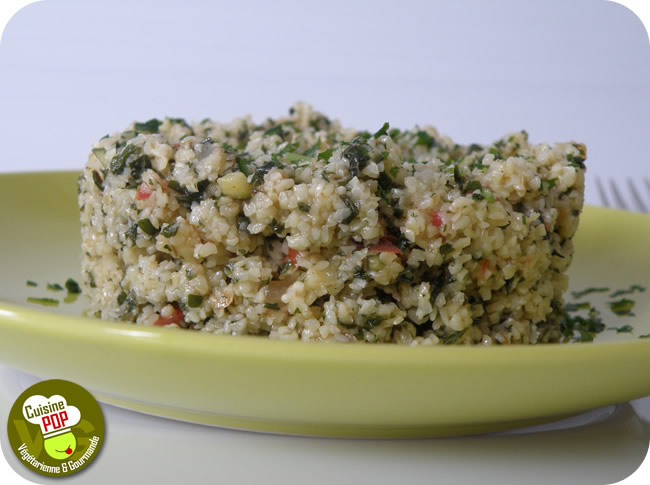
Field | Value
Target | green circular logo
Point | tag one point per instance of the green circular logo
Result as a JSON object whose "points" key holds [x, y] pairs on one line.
{"points": [[56, 428]]}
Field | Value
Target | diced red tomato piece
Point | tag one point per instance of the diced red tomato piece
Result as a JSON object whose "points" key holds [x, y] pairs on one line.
{"points": [[484, 267], [436, 220], [293, 257], [144, 192], [384, 246], [176, 317]]}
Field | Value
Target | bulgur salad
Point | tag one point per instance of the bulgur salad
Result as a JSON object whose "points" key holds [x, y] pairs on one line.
{"points": [[298, 228]]}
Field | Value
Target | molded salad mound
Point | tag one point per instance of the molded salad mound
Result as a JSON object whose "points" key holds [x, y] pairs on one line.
{"points": [[297, 228]]}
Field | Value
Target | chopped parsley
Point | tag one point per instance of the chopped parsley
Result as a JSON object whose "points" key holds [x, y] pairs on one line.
{"points": [[580, 294], [147, 227], [424, 139], [394, 171], [622, 307], [628, 291], [454, 337], [119, 161], [275, 130], [54, 287], [326, 155], [169, 230], [357, 157], [445, 249], [574, 307], [150, 126], [44, 301], [272, 306], [31, 283], [623, 329], [72, 286], [194, 301]]}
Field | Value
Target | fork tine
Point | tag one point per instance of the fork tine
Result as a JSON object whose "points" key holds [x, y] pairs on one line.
{"points": [[617, 195], [601, 192], [636, 196]]}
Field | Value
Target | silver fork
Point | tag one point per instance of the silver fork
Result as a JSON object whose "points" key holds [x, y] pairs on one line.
{"points": [[616, 199]]}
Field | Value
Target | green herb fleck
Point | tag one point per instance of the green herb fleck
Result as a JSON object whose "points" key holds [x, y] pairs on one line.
{"points": [[326, 155], [31, 283], [394, 171], [304, 207], [272, 306], [194, 301], [445, 249], [72, 286], [622, 307], [285, 267], [150, 126], [276, 130], [54, 287], [243, 162], [454, 337], [357, 157], [170, 230], [147, 227], [382, 131], [623, 329], [44, 301], [119, 161], [574, 307], [628, 291], [647, 335], [580, 294], [424, 139]]}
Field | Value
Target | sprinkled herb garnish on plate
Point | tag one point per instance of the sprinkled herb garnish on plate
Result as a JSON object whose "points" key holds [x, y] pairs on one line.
{"points": [[43, 301], [31, 283], [622, 307]]}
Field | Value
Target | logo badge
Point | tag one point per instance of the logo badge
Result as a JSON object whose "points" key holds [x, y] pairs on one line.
{"points": [[56, 428]]}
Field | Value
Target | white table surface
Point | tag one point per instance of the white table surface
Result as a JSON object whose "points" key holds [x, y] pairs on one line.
{"points": [[71, 71]]}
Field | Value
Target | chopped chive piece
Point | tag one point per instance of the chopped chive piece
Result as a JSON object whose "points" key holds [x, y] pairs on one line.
{"points": [[170, 230], [121, 298], [54, 287], [147, 227], [580, 294], [150, 126], [44, 301], [647, 335], [243, 163], [622, 307], [473, 185], [623, 329], [272, 306], [629, 291], [382, 131], [194, 301], [72, 286], [31, 283]]}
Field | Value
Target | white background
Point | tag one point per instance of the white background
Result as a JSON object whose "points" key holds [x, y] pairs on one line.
{"points": [[578, 70]]}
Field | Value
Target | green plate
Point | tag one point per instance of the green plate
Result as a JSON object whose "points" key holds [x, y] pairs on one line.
{"points": [[313, 388]]}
